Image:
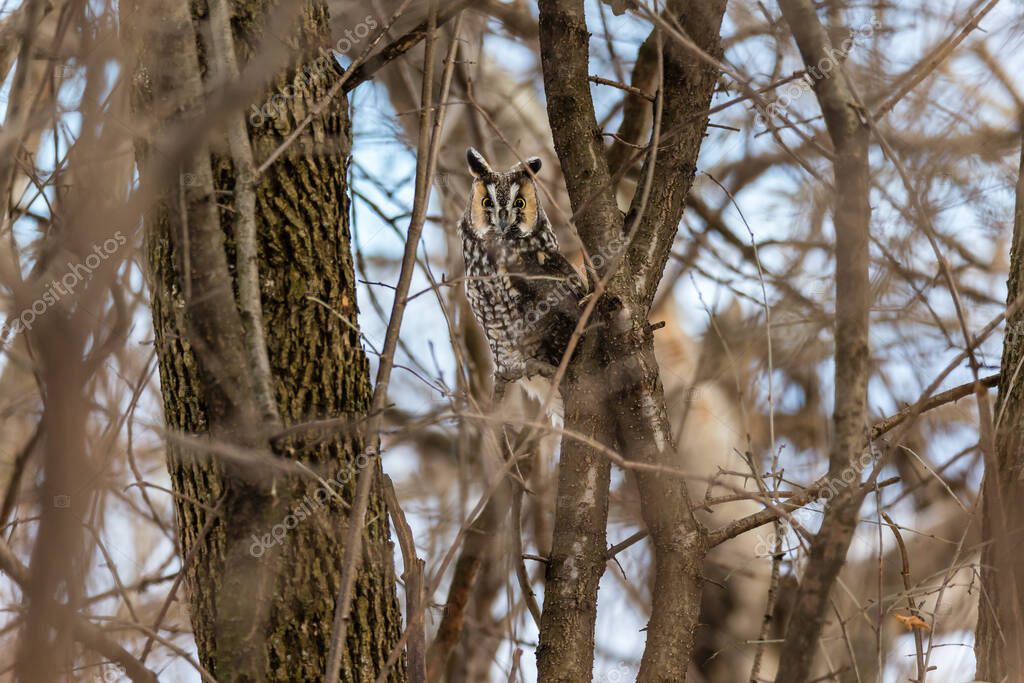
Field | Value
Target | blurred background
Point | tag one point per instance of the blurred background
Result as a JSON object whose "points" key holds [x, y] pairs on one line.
{"points": [[746, 353]]}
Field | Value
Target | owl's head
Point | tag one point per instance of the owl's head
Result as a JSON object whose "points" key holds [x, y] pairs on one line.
{"points": [[504, 202]]}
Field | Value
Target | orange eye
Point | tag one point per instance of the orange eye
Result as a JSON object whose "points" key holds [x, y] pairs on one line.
{"points": [[520, 203]]}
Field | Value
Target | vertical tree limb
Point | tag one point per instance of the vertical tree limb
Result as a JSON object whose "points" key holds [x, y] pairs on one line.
{"points": [[415, 592], [216, 332], [565, 54], [999, 641], [629, 376], [579, 540], [247, 258], [577, 561], [689, 83], [686, 85], [851, 216], [301, 211]]}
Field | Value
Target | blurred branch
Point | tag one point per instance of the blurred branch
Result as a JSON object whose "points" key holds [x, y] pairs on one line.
{"points": [[415, 593], [480, 539], [922, 69], [85, 631], [17, 116], [852, 216], [18, 468]]}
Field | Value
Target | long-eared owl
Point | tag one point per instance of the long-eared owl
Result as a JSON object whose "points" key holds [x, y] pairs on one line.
{"points": [[523, 292]]}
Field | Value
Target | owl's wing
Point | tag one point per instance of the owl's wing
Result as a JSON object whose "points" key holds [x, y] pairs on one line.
{"points": [[550, 291], [561, 265], [547, 275]]}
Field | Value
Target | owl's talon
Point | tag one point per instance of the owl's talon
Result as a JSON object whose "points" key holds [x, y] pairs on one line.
{"points": [[539, 367], [508, 376]]}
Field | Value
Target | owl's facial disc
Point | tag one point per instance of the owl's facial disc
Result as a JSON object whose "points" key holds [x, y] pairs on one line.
{"points": [[504, 204]]}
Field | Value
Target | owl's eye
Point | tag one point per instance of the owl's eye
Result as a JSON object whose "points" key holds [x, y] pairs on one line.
{"points": [[487, 202], [520, 203]]}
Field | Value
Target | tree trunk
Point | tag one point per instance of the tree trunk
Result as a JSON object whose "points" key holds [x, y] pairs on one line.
{"points": [[998, 646], [318, 366]]}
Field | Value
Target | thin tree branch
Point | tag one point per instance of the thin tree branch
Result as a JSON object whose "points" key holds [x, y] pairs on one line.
{"points": [[415, 594], [426, 163]]}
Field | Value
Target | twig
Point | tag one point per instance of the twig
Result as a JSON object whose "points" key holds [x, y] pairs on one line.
{"points": [[186, 562], [17, 469], [949, 396], [927, 65], [426, 162], [905, 573], [621, 86], [415, 649]]}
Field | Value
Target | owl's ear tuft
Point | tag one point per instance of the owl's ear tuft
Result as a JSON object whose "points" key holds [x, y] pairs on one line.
{"points": [[478, 166], [534, 164]]}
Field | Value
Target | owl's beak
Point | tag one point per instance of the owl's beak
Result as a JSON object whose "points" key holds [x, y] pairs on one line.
{"points": [[503, 219]]}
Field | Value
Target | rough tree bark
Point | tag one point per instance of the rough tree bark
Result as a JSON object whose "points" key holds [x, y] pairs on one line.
{"points": [[270, 624], [999, 645]]}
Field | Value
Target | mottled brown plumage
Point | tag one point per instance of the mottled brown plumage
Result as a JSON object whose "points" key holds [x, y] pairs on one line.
{"points": [[521, 289]]}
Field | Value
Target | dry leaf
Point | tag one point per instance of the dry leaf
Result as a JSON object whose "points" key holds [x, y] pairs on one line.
{"points": [[912, 621]]}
